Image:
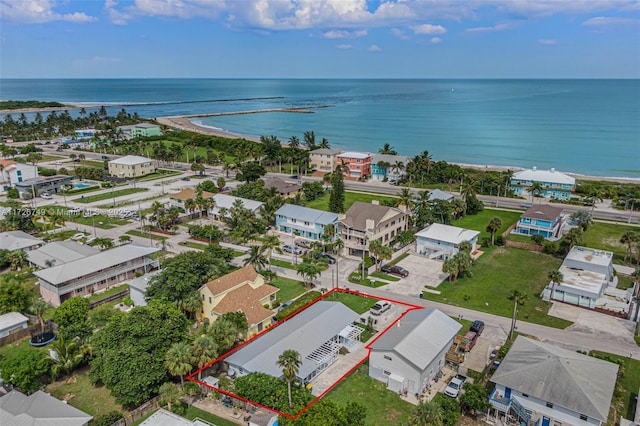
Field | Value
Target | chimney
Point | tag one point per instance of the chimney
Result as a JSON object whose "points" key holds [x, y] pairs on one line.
{"points": [[375, 202]]}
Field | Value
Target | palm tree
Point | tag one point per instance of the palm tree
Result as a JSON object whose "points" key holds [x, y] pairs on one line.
{"points": [[405, 198], [465, 246], [178, 360], [310, 140], [494, 225], [556, 278], [204, 350], [157, 208], [170, 394], [428, 414], [594, 195], [17, 259], [66, 357], [469, 189], [535, 190], [270, 243], [397, 167], [38, 307], [290, 363], [124, 239], [309, 272], [629, 238], [294, 142], [518, 299], [450, 266], [387, 149], [324, 143], [255, 258]]}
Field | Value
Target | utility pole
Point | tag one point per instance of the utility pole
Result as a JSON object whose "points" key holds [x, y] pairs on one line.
{"points": [[631, 211], [514, 317]]}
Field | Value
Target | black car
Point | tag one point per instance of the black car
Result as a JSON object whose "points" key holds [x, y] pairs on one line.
{"points": [[395, 270], [477, 327], [331, 259]]}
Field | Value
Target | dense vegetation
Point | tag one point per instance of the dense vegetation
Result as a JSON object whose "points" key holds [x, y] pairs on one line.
{"points": [[6, 105], [272, 392]]}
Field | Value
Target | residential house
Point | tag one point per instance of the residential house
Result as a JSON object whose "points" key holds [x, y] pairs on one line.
{"points": [[39, 185], [305, 222], [283, 188], [545, 385], [588, 280], [224, 202], [323, 159], [555, 185], [242, 290], [131, 166], [39, 408], [18, 240], [437, 194], [542, 219], [356, 165], [59, 253], [317, 334], [91, 274], [138, 287], [412, 352], [139, 130], [438, 241], [178, 199], [12, 172], [383, 166], [12, 321], [364, 223]]}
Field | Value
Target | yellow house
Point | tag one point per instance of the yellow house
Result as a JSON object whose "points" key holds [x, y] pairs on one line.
{"points": [[131, 166], [242, 290]]}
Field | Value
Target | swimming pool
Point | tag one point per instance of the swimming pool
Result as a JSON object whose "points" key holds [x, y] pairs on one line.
{"points": [[81, 185]]}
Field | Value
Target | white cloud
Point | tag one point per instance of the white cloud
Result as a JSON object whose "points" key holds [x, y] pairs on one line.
{"points": [[397, 32], [495, 28], [117, 17], [601, 21], [344, 34], [344, 46], [374, 48], [548, 41], [38, 12], [429, 29], [538, 8], [436, 40]]}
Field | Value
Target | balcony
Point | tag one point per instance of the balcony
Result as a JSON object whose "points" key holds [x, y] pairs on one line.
{"points": [[499, 401]]}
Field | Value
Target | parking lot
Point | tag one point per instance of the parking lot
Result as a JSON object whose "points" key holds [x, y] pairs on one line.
{"points": [[478, 358], [422, 272]]}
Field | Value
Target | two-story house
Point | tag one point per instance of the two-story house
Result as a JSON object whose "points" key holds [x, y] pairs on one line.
{"points": [[283, 188], [179, 198], [545, 385], [323, 159], [542, 219], [390, 167], [364, 223], [139, 130], [12, 173], [554, 184], [356, 165], [131, 166], [305, 222], [241, 290], [439, 241]]}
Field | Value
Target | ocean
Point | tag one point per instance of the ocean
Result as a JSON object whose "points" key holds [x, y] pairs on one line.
{"points": [[589, 127]]}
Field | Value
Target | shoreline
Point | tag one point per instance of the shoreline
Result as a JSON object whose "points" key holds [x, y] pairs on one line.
{"points": [[184, 123], [43, 109]]}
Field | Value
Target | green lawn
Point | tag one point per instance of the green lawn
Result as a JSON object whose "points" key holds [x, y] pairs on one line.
{"points": [[193, 412], [94, 400], [350, 197], [107, 293], [359, 304], [627, 385], [109, 195], [90, 163], [100, 221], [82, 190], [193, 245], [480, 221], [289, 265], [606, 236], [354, 277], [289, 289], [159, 174], [384, 407], [498, 272], [384, 276]]}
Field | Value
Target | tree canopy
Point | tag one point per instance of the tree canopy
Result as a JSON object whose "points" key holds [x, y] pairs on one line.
{"points": [[72, 317], [14, 296]]}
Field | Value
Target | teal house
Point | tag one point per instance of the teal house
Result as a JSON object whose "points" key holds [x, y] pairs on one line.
{"points": [[553, 184], [303, 221], [390, 167]]}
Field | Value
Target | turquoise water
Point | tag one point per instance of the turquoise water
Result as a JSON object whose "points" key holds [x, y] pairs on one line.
{"points": [[81, 185], [581, 126]]}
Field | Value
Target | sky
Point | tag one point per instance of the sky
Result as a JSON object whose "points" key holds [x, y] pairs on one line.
{"points": [[320, 38]]}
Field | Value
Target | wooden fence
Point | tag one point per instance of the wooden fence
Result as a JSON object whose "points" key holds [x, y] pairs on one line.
{"points": [[139, 412], [25, 332], [115, 296]]}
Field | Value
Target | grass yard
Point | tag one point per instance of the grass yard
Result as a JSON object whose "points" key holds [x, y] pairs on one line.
{"points": [[480, 221], [94, 400], [498, 272], [82, 190], [354, 277], [350, 197], [606, 236], [193, 412], [159, 174], [100, 221], [289, 289], [359, 304], [384, 276], [105, 294], [198, 246], [384, 407], [109, 195]]}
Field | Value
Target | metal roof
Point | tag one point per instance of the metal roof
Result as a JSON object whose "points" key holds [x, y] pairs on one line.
{"points": [[419, 336], [60, 252], [17, 409], [437, 194], [565, 378], [17, 240], [141, 283], [131, 160], [43, 179], [551, 176], [353, 154], [325, 151], [307, 214], [389, 158], [163, 417], [11, 319], [226, 201], [90, 264], [447, 233], [305, 333]]}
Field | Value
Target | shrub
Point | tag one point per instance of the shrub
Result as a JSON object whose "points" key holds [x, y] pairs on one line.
{"points": [[550, 247], [106, 419], [499, 240], [13, 193]]}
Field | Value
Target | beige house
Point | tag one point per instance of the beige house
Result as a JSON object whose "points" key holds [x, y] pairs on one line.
{"points": [[364, 223], [242, 290], [179, 198], [131, 166], [323, 159]]}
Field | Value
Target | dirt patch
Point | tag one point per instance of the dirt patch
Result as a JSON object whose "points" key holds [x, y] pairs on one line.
{"points": [[469, 421]]}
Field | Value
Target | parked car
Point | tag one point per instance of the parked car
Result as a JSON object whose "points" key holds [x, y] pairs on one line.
{"points": [[469, 340], [89, 213], [380, 307], [90, 240], [395, 270], [186, 179], [76, 160], [453, 388], [303, 244], [477, 327], [292, 249], [331, 259], [46, 196], [78, 236], [76, 210]]}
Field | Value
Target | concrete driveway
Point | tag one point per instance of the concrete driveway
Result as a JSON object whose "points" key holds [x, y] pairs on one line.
{"points": [[422, 272]]}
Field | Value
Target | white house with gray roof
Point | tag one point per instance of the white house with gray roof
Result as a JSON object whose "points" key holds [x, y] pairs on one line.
{"points": [[59, 253], [12, 321], [545, 385], [223, 203], [18, 409], [438, 241], [411, 352], [317, 334], [85, 276], [304, 221], [18, 240]]}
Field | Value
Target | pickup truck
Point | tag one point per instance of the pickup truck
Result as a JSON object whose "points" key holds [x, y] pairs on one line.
{"points": [[454, 386], [380, 307]]}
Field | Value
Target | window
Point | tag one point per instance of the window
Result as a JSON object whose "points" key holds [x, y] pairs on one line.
{"points": [[388, 357], [388, 373], [583, 417], [526, 395], [549, 404], [209, 299]]}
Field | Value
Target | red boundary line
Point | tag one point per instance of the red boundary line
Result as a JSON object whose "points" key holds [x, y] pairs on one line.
{"points": [[191, 377]]}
